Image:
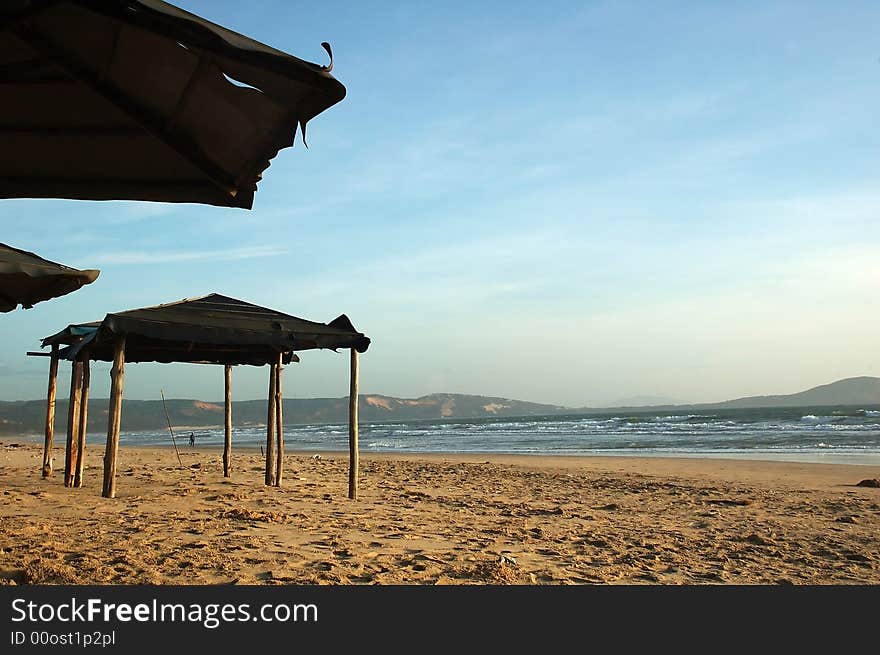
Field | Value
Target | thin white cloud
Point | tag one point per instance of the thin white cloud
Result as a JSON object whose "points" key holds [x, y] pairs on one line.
{"points": [[134, 257], [123, 212]]}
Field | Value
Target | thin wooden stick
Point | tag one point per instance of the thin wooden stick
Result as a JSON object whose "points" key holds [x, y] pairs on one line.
{"points": [[72, 423], [167, 418], [50, 412], [117, 377], [83, 422], [227, 413], [353, 454], [279, 424], [270, 430]]}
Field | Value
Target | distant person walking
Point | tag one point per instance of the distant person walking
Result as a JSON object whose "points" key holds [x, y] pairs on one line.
{"points": [[192, 440]]}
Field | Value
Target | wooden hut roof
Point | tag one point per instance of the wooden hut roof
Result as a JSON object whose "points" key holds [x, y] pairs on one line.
{"points": [[213, 329], [27, 278], [141, 100]]}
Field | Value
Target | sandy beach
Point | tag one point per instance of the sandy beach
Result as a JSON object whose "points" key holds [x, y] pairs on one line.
{"points": [[437, 519]]}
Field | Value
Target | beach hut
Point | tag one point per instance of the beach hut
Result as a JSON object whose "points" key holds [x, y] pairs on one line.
{"points": [[212, 329], [140, 100], [26, 278]]}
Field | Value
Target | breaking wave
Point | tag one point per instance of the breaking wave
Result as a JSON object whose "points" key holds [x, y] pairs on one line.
{"points": [[820, 431]]}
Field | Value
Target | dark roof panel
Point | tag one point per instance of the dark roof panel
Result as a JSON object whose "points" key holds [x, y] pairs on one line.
{"points": [[140, 100], [212, 329], [26, 278]]}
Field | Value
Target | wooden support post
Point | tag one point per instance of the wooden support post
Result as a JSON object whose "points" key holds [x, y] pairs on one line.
{"points": [[83, 422], [72, 423], [270, 430], [50, 412], [279, 424], [353, 454], [117, 375], [227, 413]]}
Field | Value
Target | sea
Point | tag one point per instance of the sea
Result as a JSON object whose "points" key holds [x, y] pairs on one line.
{"points": [[849, 435]]}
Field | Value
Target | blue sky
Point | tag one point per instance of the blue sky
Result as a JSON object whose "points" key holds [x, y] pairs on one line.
{"points": [[565, 202]]}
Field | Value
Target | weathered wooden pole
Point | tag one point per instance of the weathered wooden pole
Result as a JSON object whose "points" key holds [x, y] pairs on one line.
{"points": [[353, 454], [50, 412], [279, 423], [83, 422], [227, 413], [270, 430], [117, 375], [72, 423]]}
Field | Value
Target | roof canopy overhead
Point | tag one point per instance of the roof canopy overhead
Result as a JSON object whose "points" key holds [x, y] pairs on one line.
{"points": [[27, 278], [140, 100], [214, 329]]}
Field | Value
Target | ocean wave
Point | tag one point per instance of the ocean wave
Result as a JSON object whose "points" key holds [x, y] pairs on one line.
{"points": [[653, 420], [837, 416], [680, 418], [823, 431]]}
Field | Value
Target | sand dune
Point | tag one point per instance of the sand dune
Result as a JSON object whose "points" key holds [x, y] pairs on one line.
{"points": [[438, 520]]}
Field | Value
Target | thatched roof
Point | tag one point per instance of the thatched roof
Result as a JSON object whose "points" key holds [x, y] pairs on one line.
{"points": [[26, 278], [212, 329], [140, 100]]}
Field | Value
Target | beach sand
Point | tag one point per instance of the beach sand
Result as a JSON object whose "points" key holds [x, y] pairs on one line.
{"points": [[437, 519]]}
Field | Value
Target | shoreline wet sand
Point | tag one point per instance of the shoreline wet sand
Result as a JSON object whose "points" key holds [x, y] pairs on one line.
{"points": [[437, 519]]}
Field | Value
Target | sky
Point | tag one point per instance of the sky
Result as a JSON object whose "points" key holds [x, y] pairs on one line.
{"points": [[563, 202]]}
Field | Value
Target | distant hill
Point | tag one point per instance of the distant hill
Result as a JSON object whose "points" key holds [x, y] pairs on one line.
{"points": [[28, 416], [647, 401], [851, 391]]}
